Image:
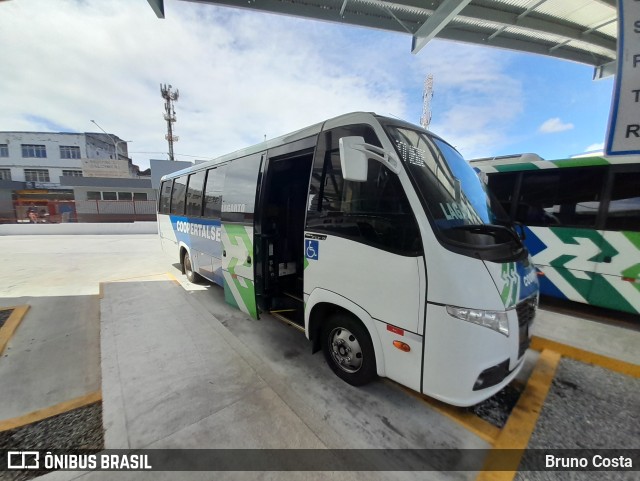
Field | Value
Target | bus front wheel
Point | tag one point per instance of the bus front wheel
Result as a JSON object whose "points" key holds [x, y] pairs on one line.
{"points": [[187, 267], [348, 349]]}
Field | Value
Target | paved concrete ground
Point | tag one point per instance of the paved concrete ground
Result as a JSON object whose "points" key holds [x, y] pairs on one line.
{"points": [[54, 355], [44, 266], [182, 369], [604, 339]]}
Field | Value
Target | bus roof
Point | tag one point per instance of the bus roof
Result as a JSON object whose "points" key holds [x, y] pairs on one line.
{"points": [[271, 143], [353, 117], [516, 164]]}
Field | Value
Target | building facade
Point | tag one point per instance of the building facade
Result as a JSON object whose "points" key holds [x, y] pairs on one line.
{"points": [[34, 166], [41, 158]]}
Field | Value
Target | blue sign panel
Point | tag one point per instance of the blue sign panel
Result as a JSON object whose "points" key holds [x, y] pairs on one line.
{"points": [[311, 249], [202, 235]]}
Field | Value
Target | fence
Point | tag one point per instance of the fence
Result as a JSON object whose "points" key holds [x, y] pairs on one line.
{"points": [[115, 210], [54, 212], [116, 207]]}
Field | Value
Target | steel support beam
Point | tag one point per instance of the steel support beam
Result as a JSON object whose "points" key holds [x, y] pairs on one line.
{"points": [[158, 7], [440, 18], [535, 23], [523, 45], [606, 70]]}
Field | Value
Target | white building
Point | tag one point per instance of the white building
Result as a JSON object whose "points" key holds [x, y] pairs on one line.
{"points": [[40, 158], [86, 176]]}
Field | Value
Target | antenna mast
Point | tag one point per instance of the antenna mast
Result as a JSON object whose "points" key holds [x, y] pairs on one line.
{"points": [[169, 114], [427, 94]]}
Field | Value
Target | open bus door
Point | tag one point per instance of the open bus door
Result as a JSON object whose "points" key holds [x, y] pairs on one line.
{"points": [[237, 216], [279, 234]]}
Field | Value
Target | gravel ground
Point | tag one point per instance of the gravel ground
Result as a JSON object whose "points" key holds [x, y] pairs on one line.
{"points": [[77, 429], [609, 417], [4, 315]]}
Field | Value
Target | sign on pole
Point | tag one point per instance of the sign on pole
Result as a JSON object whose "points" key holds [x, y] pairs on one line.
{"points": [[623, 136]]}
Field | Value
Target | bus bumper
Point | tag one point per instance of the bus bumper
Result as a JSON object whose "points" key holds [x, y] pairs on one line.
{"points": [[474, 364]]}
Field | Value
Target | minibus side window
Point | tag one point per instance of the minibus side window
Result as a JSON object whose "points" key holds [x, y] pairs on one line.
{"points": [[375, 212], [240, 186], [165, 197], [194, 194], [177, 196], [213, 192]]}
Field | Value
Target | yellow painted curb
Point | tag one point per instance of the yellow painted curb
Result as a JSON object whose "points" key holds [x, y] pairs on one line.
{"points": [[101, 284], [51, 411], [135, 278], [11, 325], [503, 460], [540, 343], [173, 278]]}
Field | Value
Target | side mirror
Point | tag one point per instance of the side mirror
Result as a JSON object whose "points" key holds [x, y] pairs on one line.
{"points": [[353, 159]]}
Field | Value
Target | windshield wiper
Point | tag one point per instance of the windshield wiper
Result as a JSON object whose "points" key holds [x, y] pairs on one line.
{"points": [[484, 228]]}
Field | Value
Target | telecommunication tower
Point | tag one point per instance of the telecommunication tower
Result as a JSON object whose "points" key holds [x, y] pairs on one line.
{"points": [[169, 114], [427, 94]]}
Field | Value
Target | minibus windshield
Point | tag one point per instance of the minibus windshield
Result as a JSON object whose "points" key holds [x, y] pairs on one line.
{"points": [[463, 214]]}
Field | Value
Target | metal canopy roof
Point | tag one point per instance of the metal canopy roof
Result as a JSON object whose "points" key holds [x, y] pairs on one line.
{"points": [[583, 31]]}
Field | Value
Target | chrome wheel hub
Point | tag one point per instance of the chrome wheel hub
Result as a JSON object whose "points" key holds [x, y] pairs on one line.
{"points": [[345, 350]]}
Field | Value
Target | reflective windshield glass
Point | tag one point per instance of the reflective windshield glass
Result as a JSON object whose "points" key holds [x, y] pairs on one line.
{"points": [[473, 189], [454, 196]]}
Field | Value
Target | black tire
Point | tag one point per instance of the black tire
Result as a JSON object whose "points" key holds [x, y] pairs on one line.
{"points": [[187, 268], [348, 349]]}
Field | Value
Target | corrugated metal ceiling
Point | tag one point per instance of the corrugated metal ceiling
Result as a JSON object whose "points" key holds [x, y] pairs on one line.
{"points": [[583, 31]]}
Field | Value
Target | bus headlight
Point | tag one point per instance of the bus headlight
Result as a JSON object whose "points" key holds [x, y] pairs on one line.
{"points": [[496, 320]]}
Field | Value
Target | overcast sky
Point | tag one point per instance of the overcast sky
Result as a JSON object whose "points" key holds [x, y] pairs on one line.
{"points": [[243, 75]]}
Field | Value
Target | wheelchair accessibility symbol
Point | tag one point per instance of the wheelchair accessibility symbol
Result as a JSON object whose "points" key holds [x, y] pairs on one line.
{"points": [[311, 249]]}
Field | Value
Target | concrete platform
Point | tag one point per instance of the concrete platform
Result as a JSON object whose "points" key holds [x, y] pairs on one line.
{"points": [[194, 383], [170, 380], [608, 340]]}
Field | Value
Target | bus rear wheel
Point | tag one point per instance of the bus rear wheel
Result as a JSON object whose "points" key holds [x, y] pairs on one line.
{"points": [[187, 268], [348, 349]]}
